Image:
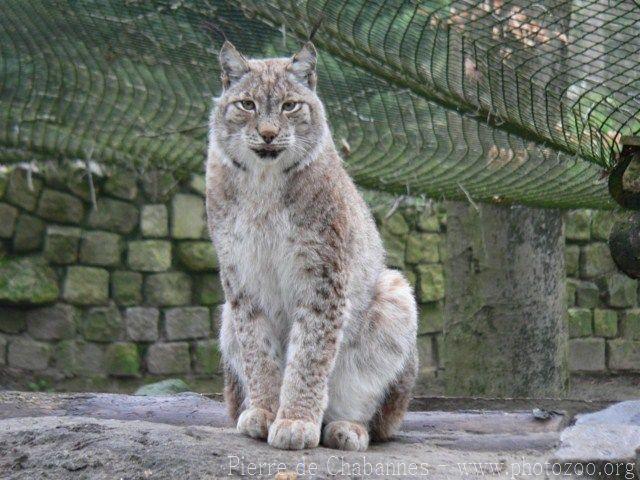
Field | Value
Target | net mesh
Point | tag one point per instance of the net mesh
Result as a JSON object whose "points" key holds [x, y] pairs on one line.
{"points": [[492, 100]]}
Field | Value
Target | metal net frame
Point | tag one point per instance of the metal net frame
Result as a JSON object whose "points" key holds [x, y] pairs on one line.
{"points": [[490, 100]]}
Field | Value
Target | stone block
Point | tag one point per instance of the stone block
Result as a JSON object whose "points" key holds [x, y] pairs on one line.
{"points": [[122, 360], [207, 357], [187, 216], [572, 260], [570, 289], [197, 256], [61, 244], [103, 324], [28, 354], [158, 185], [154, 221], [621, 290], [86, 286], [578, 225], [412, 278], [624, 355], [100, 248], [3, 350], [426, 354], [395, 224], [122, 185], [428, 221], [28, 281], [605, 323], [395, 249], [430, 283], [630, 324], [596, 261], [430, 318], [579, 322], [187, 323], [209, 290], [21, 192], [600, 445], [114, 215], [149, 255], [13, 319], [423, 248], [170, 386], [142, 324], [126, 287], [29, 234], [56, 322], [167, 289], [198, 184], [60, 207], [587, 355], [168, 358], [76, 182], [8, 216], [602, 224], [77, 357], [587, 295]]}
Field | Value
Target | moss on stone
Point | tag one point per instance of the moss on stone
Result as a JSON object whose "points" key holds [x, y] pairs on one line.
{"points": [[430, 283], [126, 287], [123, 360], [27, 280], [207, 357], [170, 386], [579, 322], [103, 324], [86, 285], [197, 256], [605, 323], [149, 255], [209, 290]]}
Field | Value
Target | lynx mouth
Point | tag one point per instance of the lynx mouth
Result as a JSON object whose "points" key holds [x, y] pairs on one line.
{"points": [[267, 152]]}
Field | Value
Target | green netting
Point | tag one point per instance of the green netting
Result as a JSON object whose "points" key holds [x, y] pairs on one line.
{"points": [[493, 100]]}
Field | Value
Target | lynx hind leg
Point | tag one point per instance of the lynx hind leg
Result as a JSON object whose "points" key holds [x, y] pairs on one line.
{"points": [[233, 392], [374, 374], [389, 415]]}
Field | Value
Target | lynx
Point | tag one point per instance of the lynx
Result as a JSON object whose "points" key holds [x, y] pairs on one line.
{"points": [[318, 338]]}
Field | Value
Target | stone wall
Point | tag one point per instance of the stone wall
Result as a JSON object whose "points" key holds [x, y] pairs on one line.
{"points": [[603, 313], [128, 292]]}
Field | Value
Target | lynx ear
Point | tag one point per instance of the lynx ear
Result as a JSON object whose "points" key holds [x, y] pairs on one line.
{"points": [[303, 65], [233, 64]]}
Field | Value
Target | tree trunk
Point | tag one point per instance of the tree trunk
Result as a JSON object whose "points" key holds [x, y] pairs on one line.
{"points": [[505, 332]]}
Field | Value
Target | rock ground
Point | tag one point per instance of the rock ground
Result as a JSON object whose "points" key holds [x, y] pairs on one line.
{"points": [[188, 437]]}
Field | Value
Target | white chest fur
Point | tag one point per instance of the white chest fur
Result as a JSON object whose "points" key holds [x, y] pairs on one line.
{"points": [[259, 243]]}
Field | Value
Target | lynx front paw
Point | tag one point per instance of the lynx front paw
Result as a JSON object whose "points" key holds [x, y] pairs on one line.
{"points": [[294, 434], [344, 435], [255, 422]]}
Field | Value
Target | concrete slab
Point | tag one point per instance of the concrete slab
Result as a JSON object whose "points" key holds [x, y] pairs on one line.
{"points": [[603, 443]]}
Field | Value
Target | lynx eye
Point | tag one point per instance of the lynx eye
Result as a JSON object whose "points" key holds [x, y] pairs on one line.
{"points": [[247, 105], [290, 106]]}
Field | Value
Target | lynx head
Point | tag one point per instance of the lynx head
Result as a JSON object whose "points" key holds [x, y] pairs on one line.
{"points": [[268, 111]]}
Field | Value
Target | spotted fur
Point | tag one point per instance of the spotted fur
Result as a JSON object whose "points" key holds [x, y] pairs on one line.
{"points": [[315, 330]]}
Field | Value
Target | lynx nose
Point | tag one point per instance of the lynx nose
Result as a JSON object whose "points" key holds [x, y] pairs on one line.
{"points": [[268, 133]]}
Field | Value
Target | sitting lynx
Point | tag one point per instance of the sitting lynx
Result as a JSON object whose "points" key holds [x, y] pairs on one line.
{"points": [[318, 338]]}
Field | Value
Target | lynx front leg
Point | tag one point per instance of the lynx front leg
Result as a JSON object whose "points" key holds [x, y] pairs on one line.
{"points": [[303, 396], [247, 349], [311, 354]]}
